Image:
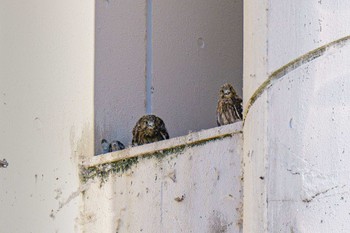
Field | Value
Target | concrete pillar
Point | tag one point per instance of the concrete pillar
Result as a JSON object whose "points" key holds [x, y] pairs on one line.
{"points": [[46, 112], [296, 140]]}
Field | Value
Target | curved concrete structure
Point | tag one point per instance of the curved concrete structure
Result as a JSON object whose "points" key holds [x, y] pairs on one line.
{"points": [[297, 111]]}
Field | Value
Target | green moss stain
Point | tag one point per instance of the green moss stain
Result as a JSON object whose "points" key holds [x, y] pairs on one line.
{"points": [[103, 171], [289, 67]]}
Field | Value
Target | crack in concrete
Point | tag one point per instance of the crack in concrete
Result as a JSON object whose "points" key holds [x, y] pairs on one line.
{"points": [[308, 200], [73, 195], [293, 173]]}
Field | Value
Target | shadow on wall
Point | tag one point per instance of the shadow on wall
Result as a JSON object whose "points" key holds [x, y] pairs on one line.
{"points": [[195, 47]]}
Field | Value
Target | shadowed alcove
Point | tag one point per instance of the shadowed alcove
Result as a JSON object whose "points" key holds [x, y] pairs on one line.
{"points": [[164, 57]]}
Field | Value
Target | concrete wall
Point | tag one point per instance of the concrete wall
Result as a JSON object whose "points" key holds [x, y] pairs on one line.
{"points": [[46, 112], [197, 47], [295, 150], [120, 66], [185, 184], [185, 50]]}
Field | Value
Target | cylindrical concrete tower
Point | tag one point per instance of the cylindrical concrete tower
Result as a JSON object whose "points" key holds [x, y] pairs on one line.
{"points": [[297, 112]]}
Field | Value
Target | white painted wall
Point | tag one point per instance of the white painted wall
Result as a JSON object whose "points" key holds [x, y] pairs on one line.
{"points": [[195, 47], [142, 199], [295, 131], [46, 112]]}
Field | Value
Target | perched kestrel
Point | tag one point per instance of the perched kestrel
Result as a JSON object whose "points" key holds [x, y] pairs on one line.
{"points": [[229, 109], [105, 146], [116, 145], [148, 129]]}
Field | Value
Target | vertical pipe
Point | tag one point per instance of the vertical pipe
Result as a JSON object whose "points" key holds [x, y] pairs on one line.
{"points": [[149, 62]]}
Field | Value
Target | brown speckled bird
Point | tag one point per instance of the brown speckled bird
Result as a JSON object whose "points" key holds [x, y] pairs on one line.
{"points": [[116, 145], [110, 147], [229, 109], [148, 129]]}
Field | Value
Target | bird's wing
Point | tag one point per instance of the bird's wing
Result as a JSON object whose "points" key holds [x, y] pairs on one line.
{"points": [[162, 129], [219, 119], [238, 108], [164, 133], [121, 145], [135, 135]]}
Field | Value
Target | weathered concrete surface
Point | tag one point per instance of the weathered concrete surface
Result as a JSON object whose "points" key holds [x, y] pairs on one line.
{"points": [[196, 188], [297, 27], [46, 112], [296, 150], [309, 147], [254, 169], [254, 47]]}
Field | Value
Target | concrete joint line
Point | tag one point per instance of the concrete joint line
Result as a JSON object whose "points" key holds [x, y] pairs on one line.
{"points": [[291, 66]]}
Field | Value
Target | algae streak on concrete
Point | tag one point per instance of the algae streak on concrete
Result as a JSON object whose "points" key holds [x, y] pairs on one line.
{"points": [[186, 184]]}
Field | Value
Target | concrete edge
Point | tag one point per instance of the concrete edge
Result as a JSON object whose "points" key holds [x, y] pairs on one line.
{"points": [[294, 64], [147, 149]]}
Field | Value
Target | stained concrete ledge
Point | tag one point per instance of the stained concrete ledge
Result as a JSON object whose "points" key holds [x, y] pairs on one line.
{"points": [[148, 149], [191, 183]]}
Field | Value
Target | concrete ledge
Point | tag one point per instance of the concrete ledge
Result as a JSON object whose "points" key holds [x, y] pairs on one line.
{"points": [[148, 149], [191, 183]]}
